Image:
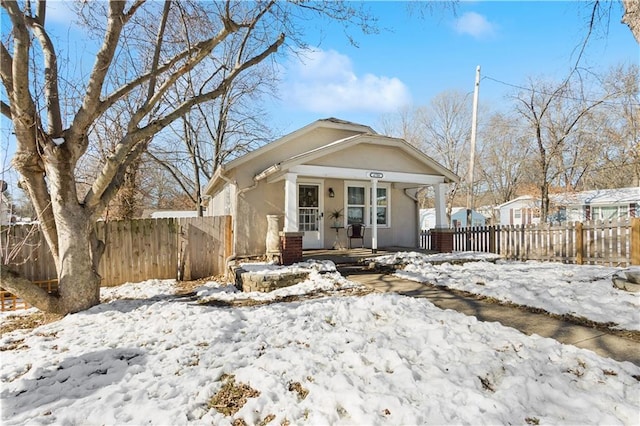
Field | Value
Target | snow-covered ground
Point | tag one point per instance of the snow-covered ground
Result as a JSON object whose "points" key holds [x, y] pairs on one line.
{"points": [[580, 290], [150, 357]]}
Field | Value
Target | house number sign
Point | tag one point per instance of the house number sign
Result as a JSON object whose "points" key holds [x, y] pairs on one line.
{"points": [[376, 175]]}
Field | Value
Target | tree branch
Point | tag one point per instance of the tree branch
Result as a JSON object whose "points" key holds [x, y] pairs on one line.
{"points": [[6, 69], [50, 75], [37, 296], [85, 116]]}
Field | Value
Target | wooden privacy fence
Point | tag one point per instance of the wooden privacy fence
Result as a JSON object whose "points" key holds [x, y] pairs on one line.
{"points": [[135, 250], [613, 243]]}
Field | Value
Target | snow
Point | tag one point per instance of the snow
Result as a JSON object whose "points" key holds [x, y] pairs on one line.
{"points": [[148, 356], [580, 290]]}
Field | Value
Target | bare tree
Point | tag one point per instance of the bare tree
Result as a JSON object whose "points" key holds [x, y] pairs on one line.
{"points": [[50, 143], [618, 126], [505, 155], [554, 115]]}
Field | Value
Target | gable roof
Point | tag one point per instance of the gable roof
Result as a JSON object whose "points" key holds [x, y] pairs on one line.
{"points": [[518, 199], [598, 196], [350, 141], [352, 134], [330, 123], [595, 196]]}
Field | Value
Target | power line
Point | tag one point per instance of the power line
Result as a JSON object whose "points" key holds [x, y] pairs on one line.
{"points": [[556, 95]]}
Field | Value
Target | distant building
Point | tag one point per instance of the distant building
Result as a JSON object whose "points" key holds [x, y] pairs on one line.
{"points": [[600, 204], [161, 214], [523, 210], [458, 218]]}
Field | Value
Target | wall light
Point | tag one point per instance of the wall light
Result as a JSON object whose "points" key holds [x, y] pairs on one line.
{"points": [[331, 193]]}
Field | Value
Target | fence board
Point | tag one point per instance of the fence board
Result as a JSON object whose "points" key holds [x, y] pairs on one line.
{"points": [[135, 250], [613, 243]]}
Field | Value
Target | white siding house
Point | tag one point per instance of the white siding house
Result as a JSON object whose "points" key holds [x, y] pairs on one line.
{"points": [[601, 204]]}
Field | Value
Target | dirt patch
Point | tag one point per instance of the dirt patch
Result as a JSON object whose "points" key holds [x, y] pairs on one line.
{"points": [[188, 287], [27, 322], [232, 396], [297, 387], [358, 291]]}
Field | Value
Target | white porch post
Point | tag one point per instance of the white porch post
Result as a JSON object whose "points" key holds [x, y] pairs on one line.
{"points": [[374, 219], [441, 205], [290, 203]]}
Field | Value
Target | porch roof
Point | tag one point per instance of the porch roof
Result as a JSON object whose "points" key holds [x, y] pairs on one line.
{"points": [[299, 163]]}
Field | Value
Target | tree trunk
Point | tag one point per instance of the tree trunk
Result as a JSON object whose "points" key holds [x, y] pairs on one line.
{"points": [[78, 251], [631, 17], [544, 205]]}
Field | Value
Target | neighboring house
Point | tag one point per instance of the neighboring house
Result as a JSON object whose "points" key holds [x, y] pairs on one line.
{"points": [[523, 210], [458, 218], [600, 204], [158, 214], [326, 166]]}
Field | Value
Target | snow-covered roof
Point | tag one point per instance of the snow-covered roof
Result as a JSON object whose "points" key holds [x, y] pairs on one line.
{"points": [[598, 196]]}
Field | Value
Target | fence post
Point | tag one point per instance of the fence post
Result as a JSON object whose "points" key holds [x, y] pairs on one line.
{"points": [[635, 241], [579, 244]]}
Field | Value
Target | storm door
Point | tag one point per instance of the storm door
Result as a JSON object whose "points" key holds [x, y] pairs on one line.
{"points": [[310, 214]]}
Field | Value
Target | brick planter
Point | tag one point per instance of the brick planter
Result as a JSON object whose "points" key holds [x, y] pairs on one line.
{"points": [[291, 246]]}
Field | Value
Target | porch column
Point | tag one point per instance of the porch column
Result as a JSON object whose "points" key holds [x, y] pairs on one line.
{"points": [[441, 205], [374, 219], [441, 236], [290, 203]]}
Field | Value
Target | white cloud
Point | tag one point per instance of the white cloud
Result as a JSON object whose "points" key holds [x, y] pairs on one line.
{"points": [[325, 82], [475, 25]]}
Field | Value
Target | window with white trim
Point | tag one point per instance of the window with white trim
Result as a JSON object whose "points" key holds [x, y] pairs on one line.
{"points": [[359, 203], [355, 204], [381, 205]]}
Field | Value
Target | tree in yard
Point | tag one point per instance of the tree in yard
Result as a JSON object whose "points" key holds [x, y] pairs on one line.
{"points": [[504, 158], [554, 117], [138, 62]]}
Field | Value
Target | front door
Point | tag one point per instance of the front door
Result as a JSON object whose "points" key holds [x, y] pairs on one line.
{"points": [[310, 215]]}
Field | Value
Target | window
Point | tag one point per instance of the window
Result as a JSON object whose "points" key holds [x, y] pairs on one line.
{"points": [[517, 213], [381, 203], [360, 203], [355, 204], [608, 212]]}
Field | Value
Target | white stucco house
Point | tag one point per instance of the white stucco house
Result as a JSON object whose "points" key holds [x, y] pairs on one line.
{"points": [[328, 165]]}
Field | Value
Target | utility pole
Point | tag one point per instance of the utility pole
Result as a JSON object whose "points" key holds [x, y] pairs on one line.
{"points": [[474, 125]]}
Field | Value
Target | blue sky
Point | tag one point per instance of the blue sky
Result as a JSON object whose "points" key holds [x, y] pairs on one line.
{"points": [[413, 58], [416, 56]]}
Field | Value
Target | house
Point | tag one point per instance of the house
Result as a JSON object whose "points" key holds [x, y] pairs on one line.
{"points": [[458, 218], [523, 210], [599, 204], [162, 214], [326, 166]]}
